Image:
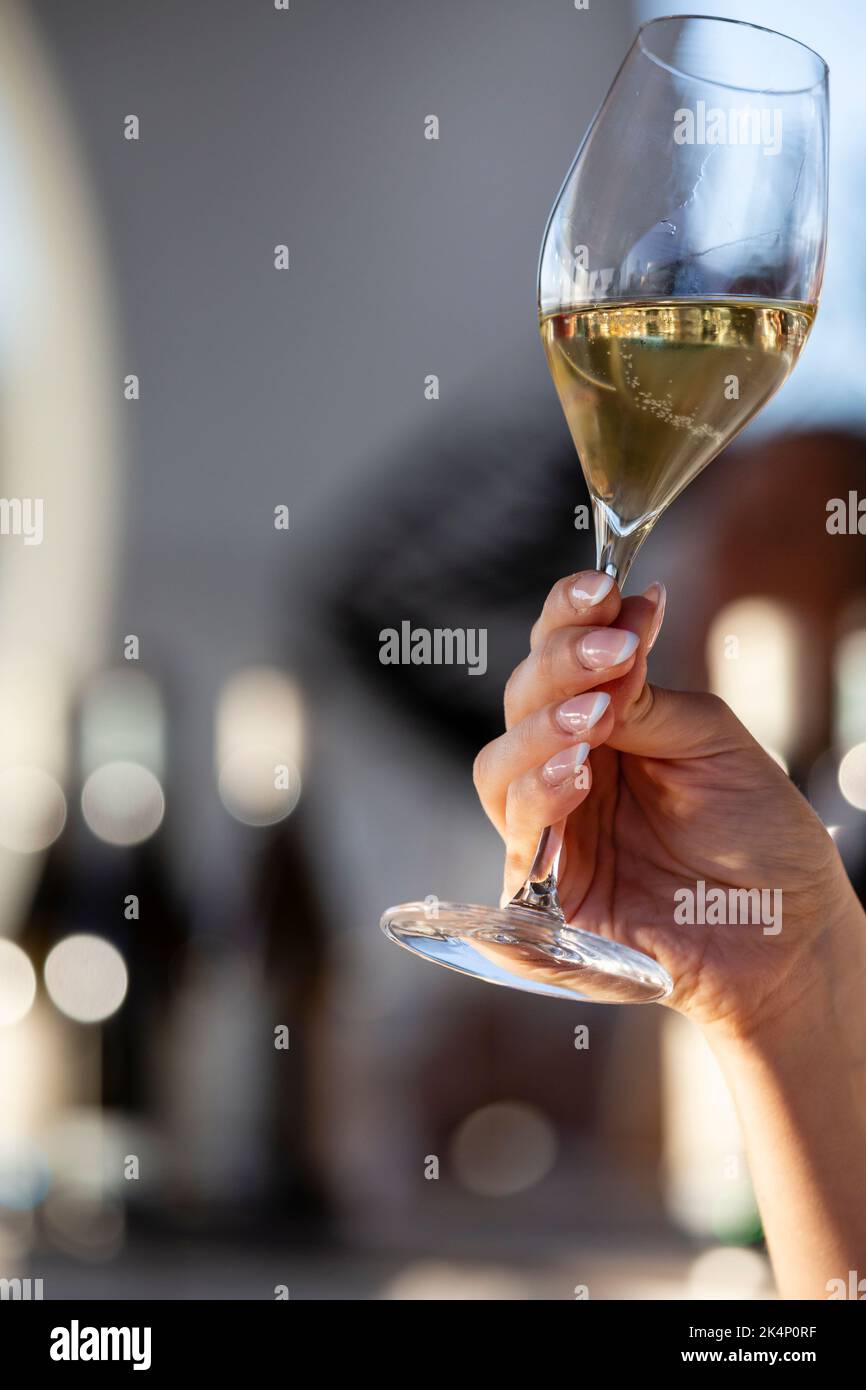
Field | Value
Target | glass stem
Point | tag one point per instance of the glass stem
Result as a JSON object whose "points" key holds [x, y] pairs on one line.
{"points": [[614, 555], [540, 890], [615, 552]]}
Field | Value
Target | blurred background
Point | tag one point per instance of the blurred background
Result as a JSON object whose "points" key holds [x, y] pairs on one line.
{"points": [[217, 1079]]}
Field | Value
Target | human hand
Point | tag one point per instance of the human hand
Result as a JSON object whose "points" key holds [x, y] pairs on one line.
{"points": [[661, 791]]}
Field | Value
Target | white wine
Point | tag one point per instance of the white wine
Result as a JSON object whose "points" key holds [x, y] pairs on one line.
{"points": [[652, 392]]}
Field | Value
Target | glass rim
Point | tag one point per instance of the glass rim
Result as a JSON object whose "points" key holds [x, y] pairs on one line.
{"points": [[742, 24]]}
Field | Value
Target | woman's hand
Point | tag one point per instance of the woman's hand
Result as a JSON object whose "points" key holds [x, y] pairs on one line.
{"points": [[681, 794], [662, 791]]}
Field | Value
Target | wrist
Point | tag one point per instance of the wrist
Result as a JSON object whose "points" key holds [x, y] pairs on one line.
{"points": [[821, 998], [797, 1080]]}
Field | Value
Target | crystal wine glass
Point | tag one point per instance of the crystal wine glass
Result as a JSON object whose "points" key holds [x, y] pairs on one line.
{"points": [[679, 278]]}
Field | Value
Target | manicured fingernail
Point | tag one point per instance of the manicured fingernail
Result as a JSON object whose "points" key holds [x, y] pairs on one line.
{"points": [[562, 767], [657, 594], [581, 713], [590, 589], [605, 646]]}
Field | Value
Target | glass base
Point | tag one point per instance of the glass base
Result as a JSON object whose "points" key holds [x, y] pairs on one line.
{"points": [[527, 948]]}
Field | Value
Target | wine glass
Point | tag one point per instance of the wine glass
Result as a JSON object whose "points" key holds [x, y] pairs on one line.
{"points": [[679, 278]]}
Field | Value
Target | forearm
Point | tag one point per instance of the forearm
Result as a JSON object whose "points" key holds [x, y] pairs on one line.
{"points": [[799, 1083]]}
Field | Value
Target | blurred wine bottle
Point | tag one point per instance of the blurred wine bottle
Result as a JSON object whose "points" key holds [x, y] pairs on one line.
{"points": [[240, 1054], [294, 941], [107, 933]]}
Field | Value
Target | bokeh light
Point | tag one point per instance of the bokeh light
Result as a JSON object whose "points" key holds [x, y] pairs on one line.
{"points": [[708, 1191], [32, 809], [502, 1149], [86, 977], [752, 657], [86, 1145], [33, 711], [439, 1281], [849, 683], [259, 729], [24, 1174], [87, 1229], [852, 776], [729, 1272], [254, 792], [17, 984], [123, 719], [123, 803]]}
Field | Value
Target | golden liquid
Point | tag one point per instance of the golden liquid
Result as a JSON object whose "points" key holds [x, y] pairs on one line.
{"points": [[652, 392]]}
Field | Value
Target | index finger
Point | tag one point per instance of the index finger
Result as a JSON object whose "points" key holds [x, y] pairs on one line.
{"points": [[588, 598]]}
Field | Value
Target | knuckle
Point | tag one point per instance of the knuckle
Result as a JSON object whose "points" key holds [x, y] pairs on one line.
{"points": [[490, 766], [717, 715], [480, 767], [550, 659], [512, 685], [643, 705], [714, 707]]}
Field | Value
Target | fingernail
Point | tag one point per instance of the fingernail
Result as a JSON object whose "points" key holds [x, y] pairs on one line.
{"points": [[590, 589], [562, 766], [605, 646], [657, 594], [582, 712]]}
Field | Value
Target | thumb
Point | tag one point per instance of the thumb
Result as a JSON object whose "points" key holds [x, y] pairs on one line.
{"points": [[661, 723], [652, 722]]}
